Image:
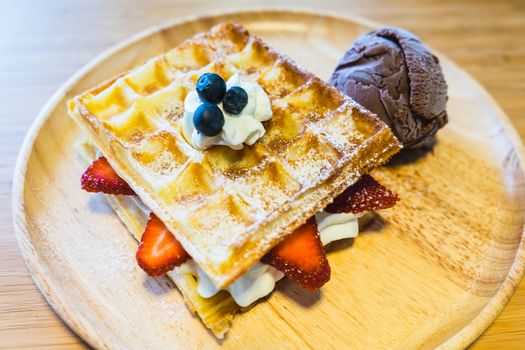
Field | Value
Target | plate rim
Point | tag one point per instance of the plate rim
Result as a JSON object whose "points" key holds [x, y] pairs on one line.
{"points": [[461, 339]]}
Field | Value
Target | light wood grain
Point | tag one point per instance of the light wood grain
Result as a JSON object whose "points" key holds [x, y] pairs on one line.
{"points": [[39, 52], [437, 272]]}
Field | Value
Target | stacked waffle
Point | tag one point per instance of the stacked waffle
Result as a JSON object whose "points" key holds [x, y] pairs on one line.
{"points": [[227, 207]]}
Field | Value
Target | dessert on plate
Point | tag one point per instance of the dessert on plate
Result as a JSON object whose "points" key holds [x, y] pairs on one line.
{"points": [[232, 166]]}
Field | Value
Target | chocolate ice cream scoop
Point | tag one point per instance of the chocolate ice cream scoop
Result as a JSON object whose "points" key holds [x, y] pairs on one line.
{"points": [[390, 72]]}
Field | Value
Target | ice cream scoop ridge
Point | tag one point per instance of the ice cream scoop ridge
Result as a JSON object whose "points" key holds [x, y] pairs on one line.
{"points": [[390, 72]]}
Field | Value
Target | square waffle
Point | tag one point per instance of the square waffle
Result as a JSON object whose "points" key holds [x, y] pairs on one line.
{"points": [[226, 207]]}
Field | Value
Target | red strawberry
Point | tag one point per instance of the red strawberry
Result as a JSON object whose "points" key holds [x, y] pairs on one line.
{"points": [[100, 177], [159, 251], [365, 195], [301, 257]]}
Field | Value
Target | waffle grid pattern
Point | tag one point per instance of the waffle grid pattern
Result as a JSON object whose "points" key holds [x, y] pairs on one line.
{"points": [[221, 195]]}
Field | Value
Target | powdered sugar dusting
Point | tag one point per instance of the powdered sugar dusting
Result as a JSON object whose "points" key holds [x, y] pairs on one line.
{"points": [[309, 152]]}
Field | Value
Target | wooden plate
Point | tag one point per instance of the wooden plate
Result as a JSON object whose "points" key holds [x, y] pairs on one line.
{"points": [[435, 271]]}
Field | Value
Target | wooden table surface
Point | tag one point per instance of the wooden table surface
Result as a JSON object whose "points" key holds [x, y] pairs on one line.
{"points": [[42, 43]]}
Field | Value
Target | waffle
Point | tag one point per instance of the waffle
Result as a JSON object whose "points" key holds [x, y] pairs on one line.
{"points": [[226, 207]]}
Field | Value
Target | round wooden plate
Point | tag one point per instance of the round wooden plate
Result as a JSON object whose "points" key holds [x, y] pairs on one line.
{"points": [[436, 270]]}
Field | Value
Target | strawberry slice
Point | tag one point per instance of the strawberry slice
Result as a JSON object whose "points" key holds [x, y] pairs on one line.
{"points": [[301, 257], [100, 177], [365, 195], [159, 251]]}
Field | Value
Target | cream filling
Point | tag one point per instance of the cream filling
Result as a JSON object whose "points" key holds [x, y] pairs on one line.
{"points": [[260, 279], [239, 129]]}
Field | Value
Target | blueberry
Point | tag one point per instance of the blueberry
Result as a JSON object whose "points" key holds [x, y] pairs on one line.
{"points": [[234, 100], [211, 88], [208, 119]]}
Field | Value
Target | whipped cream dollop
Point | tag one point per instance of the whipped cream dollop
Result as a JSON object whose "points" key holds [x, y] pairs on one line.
{"points": [[333, 227], [239, 129], [260, 279], [254, 284]]}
